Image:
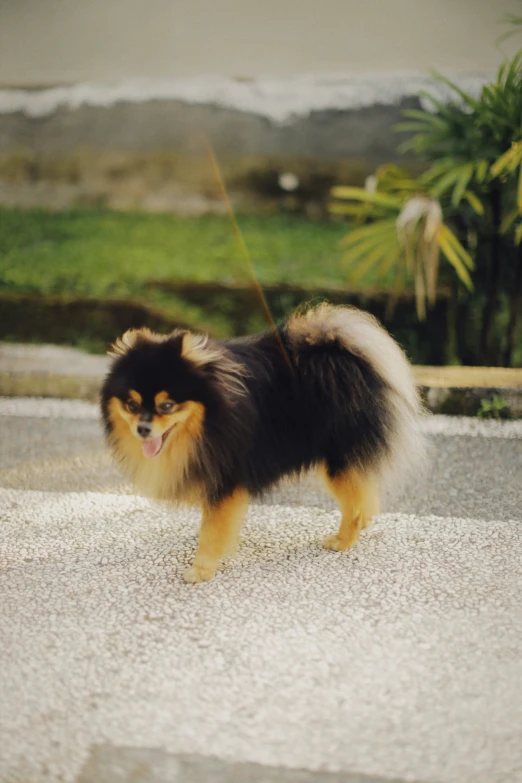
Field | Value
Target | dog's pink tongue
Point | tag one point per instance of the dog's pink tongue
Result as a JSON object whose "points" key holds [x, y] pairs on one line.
{"points": [[152, 446]]}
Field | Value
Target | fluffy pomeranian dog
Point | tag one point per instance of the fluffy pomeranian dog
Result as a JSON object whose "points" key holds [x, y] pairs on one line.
{"points": [[214, 423]]}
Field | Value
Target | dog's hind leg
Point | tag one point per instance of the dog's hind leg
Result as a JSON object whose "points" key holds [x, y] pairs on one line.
{"points": [[218, 535], [358, 498]]}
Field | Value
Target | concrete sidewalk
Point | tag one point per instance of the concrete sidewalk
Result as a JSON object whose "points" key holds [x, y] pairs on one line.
{"points": [[396, 661], [56, 371]]}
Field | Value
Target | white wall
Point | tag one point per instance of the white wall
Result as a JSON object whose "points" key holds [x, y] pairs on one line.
{"points": [[54, 41]]}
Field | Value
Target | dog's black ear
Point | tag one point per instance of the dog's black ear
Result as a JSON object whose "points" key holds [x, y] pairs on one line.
{"points": [[129, 339], [175, 340]]}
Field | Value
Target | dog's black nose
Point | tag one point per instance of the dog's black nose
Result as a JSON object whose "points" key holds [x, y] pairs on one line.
{"points": [[144, 430]]}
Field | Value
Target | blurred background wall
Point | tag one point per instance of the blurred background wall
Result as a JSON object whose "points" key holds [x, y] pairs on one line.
{"points": [[112, 102], [45, 42]]}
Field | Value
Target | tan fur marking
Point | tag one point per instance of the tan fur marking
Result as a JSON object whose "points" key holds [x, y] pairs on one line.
{"points": [[135, 396], [130, 419], [162, 396], [358, 498], [164, 476], [218, 536]]}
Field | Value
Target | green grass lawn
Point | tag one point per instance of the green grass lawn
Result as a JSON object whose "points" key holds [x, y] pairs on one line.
{"points": [[104, 255], [51, 263], [112, 254]]}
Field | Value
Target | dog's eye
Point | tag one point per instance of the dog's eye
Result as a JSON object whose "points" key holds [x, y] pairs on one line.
{"points": [[132, 406], [166, 407]]}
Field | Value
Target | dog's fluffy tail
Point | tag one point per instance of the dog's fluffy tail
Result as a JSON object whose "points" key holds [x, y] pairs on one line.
{"points": [[363, 337]]}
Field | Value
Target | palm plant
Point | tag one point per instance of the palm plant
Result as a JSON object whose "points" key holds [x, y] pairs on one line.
{"points": [[472, 148], [406, 234], [471, 144], [507, 166]]}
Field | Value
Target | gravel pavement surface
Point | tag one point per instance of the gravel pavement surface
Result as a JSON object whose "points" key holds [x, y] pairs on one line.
{"points": [[399, 659]]}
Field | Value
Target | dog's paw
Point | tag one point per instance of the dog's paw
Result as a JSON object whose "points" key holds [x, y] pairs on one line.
{"points": [[337, 544], [196, 574]]}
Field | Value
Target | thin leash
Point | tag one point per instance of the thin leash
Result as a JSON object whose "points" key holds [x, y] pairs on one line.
{"points": [[244, 249]]}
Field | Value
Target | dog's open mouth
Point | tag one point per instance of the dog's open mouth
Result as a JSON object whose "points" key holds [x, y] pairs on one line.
{"points": [[152, 446]]}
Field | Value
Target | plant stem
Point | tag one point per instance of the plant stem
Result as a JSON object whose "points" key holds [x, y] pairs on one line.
{"points": [[451, 349], [516, 306], [494, 274]]}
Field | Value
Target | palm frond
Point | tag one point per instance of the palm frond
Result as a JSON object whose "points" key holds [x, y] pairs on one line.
{"points": [[458, 248], [475, 203], [509, 220], [465, 174], [509, 161], [516, 23], [361, 266], [360, 194], [481, 168], [465, 97], [368, 235], [453, 256]]}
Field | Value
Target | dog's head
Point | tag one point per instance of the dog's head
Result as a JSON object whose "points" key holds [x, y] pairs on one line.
{"points": [[161, 387]]}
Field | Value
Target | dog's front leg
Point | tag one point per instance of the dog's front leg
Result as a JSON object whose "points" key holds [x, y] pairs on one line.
{"points": [[218, 535]]}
